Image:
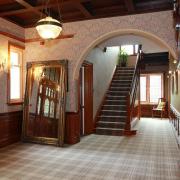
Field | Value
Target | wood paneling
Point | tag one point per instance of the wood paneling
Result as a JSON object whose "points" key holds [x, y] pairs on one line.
{"points": [[146, 111], [27, 12], [10, 127], [88, 98], [72, 127]]}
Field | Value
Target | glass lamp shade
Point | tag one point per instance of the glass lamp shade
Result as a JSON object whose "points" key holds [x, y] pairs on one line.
{"points": [[49, 28]]}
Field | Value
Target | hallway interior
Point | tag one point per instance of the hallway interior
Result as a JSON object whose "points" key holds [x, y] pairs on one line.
{"points": [[151, 154]]}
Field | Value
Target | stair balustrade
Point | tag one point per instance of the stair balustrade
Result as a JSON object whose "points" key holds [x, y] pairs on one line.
{"points": [[131, 97]]}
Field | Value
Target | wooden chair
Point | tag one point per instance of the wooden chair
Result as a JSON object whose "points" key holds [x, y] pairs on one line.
{"points": [[161, 107]]}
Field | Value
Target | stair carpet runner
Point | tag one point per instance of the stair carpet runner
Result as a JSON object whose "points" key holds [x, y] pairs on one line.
{"points": [[114, 113]]}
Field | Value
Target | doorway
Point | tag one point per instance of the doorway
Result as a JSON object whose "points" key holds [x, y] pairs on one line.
{"points": [[86, 98]]}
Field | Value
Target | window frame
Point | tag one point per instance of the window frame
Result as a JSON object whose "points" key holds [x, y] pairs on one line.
{"points": [[143, 75], [148, 87], [19, 49], [134, 48]]}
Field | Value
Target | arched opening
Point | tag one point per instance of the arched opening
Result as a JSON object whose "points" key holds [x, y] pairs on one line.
{"points": [[105, 72], [104, 37]]}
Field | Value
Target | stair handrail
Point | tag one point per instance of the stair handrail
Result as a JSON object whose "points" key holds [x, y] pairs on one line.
{"points": [[132, 94], [136, 73]]}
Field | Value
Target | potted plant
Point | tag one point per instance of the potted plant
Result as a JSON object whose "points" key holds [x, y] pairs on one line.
{"points": [[122, 58]]}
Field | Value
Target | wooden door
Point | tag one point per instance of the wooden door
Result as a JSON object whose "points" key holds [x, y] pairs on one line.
{"points": [[87, 98]]}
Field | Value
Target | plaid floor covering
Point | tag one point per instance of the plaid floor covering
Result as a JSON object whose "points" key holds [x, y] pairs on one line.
{"points": [[150, 155]]}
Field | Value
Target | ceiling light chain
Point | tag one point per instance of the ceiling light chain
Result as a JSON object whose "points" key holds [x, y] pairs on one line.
{"points": [[48, 27]]}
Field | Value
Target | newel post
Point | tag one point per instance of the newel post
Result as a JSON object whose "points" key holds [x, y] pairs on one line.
{"points": [[128, 120]]}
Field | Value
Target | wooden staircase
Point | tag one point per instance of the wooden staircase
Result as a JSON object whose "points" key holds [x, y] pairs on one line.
{"points": [[115, 115], [112, 119]]}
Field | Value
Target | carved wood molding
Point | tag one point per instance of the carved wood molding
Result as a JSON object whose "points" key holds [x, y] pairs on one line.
{"points": [[65, 36], [23, 40]]}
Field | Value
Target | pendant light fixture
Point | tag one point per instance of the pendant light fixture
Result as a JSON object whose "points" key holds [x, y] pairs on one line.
{"points": [[48, 27]]}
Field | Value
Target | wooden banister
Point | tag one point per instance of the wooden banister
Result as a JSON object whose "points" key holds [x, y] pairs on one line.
{"points": [[131, 97]]}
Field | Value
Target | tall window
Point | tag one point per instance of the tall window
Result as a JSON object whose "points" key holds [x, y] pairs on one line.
{"points": [[143, 89], [151, 87], [15, 74], [130, 49]]}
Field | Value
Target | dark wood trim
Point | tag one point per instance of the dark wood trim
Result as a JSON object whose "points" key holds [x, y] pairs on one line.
{"points": [[23, 40], [15, 45], [129, 5], [9, 35], [7, 114], [72, 127], [85, 12], [64, 36], [15, 103], [19, 101], [88, 98], [10, 127], [27, 5]]}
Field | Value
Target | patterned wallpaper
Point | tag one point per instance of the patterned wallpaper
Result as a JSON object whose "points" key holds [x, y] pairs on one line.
{"points": [[86, 32], [9, 27]]}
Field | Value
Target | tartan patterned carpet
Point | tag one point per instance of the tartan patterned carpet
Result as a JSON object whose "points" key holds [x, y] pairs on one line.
{"points": [[150, 155]]}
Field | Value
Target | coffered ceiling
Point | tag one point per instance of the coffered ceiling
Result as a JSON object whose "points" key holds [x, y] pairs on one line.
{"points": [[27, 12]]}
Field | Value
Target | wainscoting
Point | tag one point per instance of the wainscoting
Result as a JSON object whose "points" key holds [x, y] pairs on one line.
{"points": [[72, 129], [175, 120], [146, 111], [10, 127]]}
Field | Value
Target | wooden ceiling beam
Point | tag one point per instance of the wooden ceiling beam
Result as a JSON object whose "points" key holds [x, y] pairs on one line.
{"points": [[86, 13], [37, 9], [19, 11], [156, 3], [29, 6], [129, 5]]}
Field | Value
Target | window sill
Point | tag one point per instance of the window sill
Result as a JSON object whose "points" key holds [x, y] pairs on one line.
{"points": [[14, 103], [145, 103]]}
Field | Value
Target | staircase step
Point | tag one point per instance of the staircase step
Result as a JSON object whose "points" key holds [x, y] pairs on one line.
{"points": [[117, 93], [113, 115], [109, 124], [122, 81], [114, 97], [117, 84], [124, 73], [114, 107], [119, 88], [126, 67], [113, 118], [124, 70], [115, 102], [114, 112], [110, 131], [122, 77]]}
